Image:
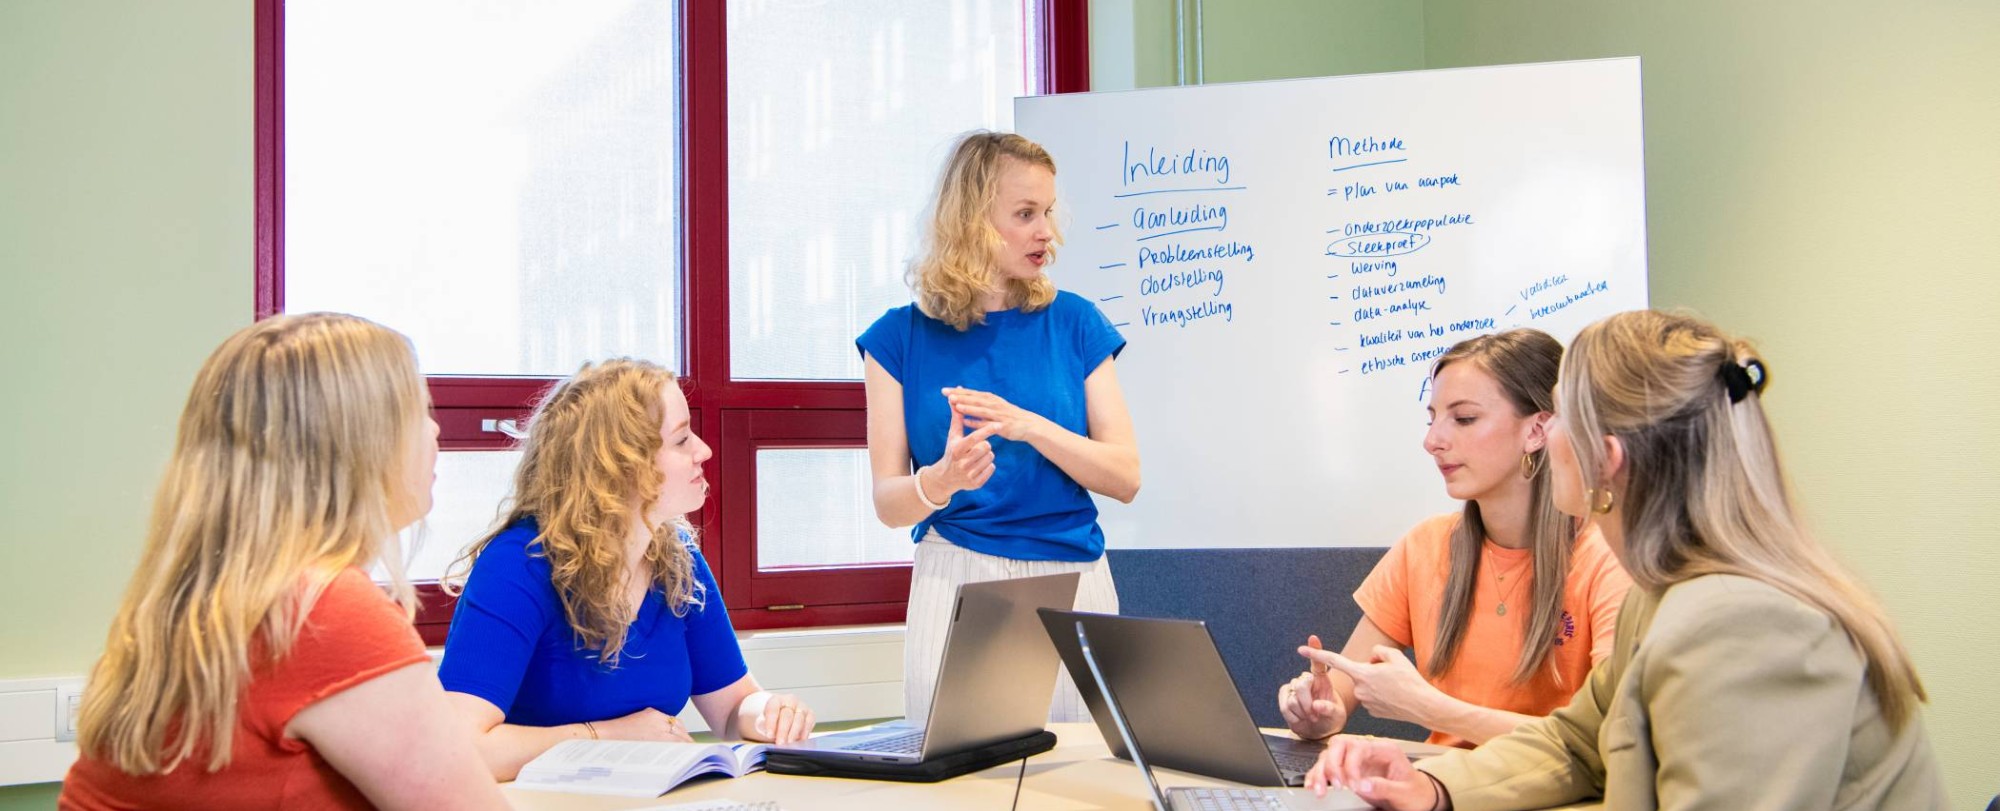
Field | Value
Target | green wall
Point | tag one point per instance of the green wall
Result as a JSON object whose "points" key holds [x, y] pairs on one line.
{"points": [[1133, 41], [125, 256], [1825, 178], [125, 242], [24, 798]]}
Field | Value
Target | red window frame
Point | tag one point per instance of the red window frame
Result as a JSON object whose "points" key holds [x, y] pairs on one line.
{"points": [[737, 416]]}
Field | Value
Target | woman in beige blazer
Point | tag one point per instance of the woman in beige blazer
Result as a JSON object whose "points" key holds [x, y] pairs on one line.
{"points": [[1749, 670]]}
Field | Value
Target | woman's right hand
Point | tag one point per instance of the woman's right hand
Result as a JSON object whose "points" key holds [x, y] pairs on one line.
{"points": [[967, 461], [645, 725], [1378, 771], [1310, 705]]}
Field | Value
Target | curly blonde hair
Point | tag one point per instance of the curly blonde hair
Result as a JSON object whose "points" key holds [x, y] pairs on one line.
{"points": [[587, 474], [956, 269]]}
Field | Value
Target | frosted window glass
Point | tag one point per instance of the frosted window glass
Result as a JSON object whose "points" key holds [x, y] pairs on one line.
{"points": [[498, 179], [839, 118], [815, 508], [464, 504]]}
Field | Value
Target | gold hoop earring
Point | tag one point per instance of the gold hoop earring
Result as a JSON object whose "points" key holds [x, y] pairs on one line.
{"points": [[1603, 507], [1530, 465]]}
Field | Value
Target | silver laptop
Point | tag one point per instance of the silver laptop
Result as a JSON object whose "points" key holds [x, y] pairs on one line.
{"points": [[994, 684], [1205, 799], [1180, 698]]}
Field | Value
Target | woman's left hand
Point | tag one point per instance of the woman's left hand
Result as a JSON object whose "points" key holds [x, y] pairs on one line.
{"points": [[1376, 770], [982, 407], [1389, 686], [785, 719]]}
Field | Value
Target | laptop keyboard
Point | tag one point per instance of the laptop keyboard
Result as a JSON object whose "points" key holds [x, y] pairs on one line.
{"points": [[908, 743], [1294, 762], [1226, 799]]}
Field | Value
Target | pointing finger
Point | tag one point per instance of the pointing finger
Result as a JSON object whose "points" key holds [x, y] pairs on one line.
{"points": [[985, 431], [1332, 660], [972, 409], [1384, 653]]}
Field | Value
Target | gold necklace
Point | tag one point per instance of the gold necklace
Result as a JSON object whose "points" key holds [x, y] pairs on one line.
{"points": [[1498, 578]]}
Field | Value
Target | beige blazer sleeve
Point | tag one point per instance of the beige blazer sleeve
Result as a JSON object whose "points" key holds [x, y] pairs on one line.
{"points": [[1725, 693], [1549, 761], [1746, 700]]}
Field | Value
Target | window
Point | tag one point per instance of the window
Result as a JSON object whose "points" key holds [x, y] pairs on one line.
{"points": [[729, 188]]}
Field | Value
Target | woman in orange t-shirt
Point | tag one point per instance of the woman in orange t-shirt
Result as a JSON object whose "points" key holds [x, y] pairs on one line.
{"points": [[1506, 605], [253, 664]]}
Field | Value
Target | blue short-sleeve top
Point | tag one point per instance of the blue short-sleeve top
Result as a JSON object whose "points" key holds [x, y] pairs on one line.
{"points": [[1030, 509], [511, 644]]}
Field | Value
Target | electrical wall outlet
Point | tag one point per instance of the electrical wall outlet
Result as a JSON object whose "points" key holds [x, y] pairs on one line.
{"points": [[69, 701]]}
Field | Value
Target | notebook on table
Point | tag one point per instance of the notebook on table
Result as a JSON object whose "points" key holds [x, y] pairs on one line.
{"points": [[993, 687], [715, 805], [634, 768]]}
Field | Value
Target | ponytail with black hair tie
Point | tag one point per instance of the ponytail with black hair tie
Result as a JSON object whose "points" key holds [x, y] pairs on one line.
{"points": [[1743, 378]]}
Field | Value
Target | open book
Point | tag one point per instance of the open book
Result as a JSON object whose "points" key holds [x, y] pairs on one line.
{"points": [[634, 768]]}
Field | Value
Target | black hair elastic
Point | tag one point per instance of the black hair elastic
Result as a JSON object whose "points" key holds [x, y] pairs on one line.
{"points": [[1743, 378]]}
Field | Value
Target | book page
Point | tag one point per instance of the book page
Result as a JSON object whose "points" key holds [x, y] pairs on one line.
{"points": [[749, 757], [624, 768], [715, 805]]}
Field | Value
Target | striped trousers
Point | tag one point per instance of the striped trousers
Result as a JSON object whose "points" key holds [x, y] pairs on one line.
{"points": [[934, 579]]}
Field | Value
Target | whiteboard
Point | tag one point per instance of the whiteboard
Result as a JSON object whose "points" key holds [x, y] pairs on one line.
{"points": [[1286, 258]]}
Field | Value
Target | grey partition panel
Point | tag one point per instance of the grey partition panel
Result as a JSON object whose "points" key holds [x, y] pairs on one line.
{"points": [[1259, 605]]}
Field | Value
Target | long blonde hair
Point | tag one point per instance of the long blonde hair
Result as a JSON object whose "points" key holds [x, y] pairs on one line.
{"points": [[587, 473], [956, 269], [1524, 363], [284, 473], [1705, 493]]}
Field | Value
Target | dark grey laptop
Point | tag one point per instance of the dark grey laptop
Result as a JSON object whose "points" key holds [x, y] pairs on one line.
{"points": [[1198, 799], [1179, 697], [994, 684]]}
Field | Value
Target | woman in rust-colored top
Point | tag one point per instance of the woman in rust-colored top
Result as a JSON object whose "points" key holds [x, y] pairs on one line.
{"points": [[253, 664]]}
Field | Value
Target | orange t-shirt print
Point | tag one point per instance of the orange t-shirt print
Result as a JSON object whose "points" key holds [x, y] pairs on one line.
{"points": [[1403, 595]]}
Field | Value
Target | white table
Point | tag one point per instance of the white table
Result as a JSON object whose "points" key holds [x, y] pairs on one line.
{"points": [[1078, 774]]}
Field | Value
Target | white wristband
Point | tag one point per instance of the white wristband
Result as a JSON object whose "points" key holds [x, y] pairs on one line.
{"points": [[917, 479]]}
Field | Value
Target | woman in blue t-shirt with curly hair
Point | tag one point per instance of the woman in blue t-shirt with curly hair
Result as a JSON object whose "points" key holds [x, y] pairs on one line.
{"points": [[993, 405], [589, 612]]}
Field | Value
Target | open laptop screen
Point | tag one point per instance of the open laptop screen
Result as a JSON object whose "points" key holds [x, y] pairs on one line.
{"points": [[1118, 718]]}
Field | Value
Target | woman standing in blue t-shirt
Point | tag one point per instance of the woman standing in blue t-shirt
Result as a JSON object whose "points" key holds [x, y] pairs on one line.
{"points": [[993, 405], [590, 613]]}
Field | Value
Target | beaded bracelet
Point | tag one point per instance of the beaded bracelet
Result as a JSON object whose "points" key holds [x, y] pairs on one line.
{"points": [[917, 480]]}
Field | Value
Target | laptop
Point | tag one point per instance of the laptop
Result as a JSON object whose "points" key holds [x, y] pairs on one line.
{"points": [[1202, 799], [994, 684], [1179, 697]]}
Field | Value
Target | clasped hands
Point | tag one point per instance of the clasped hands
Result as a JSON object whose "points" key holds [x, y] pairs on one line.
{"points": [[967, 462]]}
